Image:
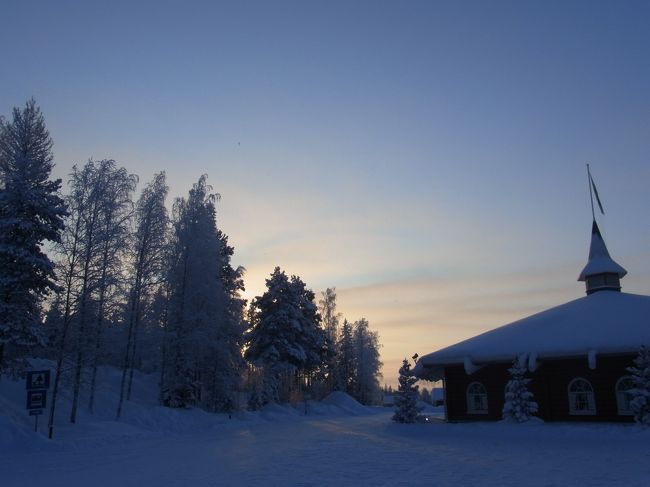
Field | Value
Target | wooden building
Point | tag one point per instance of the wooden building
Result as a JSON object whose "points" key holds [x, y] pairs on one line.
{"points": [[576, 353]]}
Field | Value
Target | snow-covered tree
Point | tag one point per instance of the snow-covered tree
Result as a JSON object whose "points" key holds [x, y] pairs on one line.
{"points": [[201, 350], [519, 405], [640, 401], [196, 295], [102, 194], [365, 383], [31, 212], [329, 315], [146, 268], [229, 365], [285, 337], [114, 233], [407, 410], [330, 319], [345, 362]]}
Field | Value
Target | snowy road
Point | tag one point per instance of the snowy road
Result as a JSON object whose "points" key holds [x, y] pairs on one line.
{"points": [[346, 450]]}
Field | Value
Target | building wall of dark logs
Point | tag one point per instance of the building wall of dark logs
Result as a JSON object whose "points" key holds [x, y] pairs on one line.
{"points": [[549, 384]]}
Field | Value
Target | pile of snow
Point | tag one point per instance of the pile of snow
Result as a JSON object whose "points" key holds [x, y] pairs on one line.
{"points": [[346, 403], [275, 412]]}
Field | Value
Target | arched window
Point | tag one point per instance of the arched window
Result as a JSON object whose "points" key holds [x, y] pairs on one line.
{"points": [[581, 397], [623, 396], [477, 399]]}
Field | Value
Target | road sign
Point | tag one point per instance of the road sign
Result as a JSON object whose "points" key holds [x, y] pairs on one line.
{"points": [[36, 399], [36, 412], [38, 379]]}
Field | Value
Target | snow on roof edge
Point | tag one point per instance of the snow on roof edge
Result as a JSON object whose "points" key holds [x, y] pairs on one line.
{"points": [[607, 322]]}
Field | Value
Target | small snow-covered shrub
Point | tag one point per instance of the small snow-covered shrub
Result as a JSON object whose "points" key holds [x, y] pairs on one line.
{"points": [[640, 403], [519, 406], [407, 396]]}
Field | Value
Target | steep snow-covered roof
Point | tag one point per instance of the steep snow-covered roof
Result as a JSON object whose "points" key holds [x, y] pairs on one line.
{"points": [[599, 260], [602, 322]]}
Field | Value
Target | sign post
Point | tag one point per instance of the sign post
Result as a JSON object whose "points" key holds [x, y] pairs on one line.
{"points": [[37, 384]]}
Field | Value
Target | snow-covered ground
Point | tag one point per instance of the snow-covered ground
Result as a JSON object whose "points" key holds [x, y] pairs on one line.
{"points": [[338, 442]]}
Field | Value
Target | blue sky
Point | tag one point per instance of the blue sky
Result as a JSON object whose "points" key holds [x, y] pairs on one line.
{"points": [[427, 158]]}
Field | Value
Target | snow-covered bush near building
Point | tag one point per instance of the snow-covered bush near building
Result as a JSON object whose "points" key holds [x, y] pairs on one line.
{"points": [[640, 403], [519, 405], [406, 400]]}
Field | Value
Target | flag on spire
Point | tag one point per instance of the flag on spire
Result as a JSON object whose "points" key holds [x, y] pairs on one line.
{"points": [[600, 205], [592, 187]]}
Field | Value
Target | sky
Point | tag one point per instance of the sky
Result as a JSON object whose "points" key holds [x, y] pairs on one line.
{"points": [[426, 158]]}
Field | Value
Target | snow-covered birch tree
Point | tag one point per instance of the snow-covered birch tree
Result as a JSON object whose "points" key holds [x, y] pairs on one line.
{"points": [[330, 318], [99, 191], [114, 232], [147, 251]]}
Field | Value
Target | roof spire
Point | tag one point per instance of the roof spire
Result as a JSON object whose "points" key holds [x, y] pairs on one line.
{"points": [[601, 271]]}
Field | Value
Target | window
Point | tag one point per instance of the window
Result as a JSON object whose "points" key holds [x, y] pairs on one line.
{"points": [[623, 396], [581, 397], [476, 399]]}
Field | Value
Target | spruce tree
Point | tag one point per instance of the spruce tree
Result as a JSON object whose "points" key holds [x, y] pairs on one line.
{"points": [[407, 410], [197, 301], [344, 368], [31, 212], [365, 383], [285, 338], [202, 361], [640, 403], [519, 406]]}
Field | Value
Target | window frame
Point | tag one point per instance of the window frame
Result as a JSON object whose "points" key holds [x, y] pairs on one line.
{"points": [[469, 397], [590, 398], [620, 396]]}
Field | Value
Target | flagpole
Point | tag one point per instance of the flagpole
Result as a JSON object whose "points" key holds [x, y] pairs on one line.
{"points": [[591, 193]]}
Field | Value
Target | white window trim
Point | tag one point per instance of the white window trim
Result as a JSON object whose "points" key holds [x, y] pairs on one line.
{"points": [[581, 412], [621, 412], [470, 409]]}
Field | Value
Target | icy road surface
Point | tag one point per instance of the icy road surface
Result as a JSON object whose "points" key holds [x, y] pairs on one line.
{"points": [[344, 450]]}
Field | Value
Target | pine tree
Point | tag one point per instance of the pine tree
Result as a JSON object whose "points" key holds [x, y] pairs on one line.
{"points": [[407, 410], [519, 406], [31, 212], [285, 338], [640, 402]]}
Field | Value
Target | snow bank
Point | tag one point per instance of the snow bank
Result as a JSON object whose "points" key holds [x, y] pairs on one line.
{"points": [[141, 417], [346, 403]]}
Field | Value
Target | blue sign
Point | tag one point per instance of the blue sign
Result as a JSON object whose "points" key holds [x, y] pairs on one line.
{"points": [[36, 399], [36, 412], [38, 379]]}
